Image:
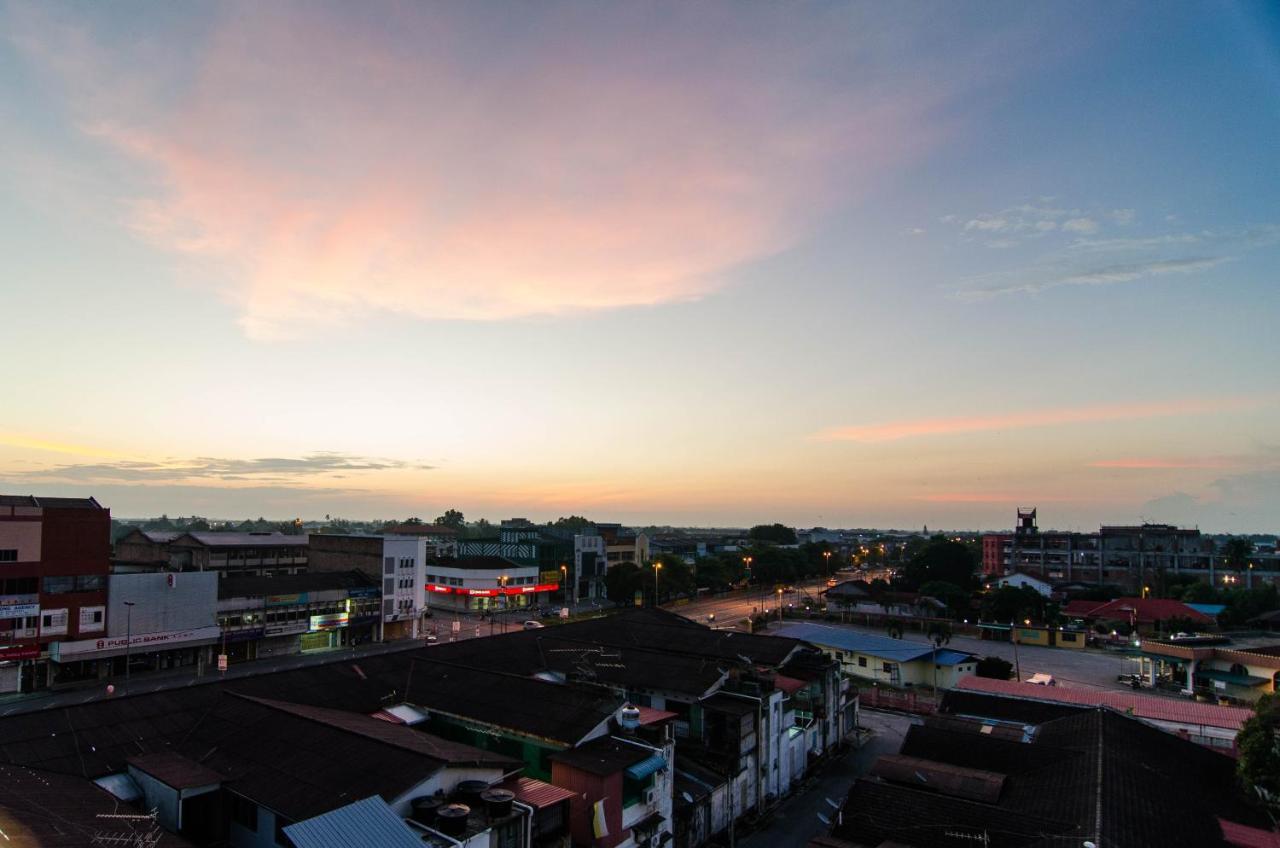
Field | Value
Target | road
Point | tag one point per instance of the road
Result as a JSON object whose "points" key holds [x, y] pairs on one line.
{"points": [[1081, 669], [808, 814]]}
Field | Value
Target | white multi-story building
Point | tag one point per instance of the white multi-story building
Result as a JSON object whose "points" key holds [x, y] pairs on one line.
{"points": [[485, 584], [404, 560]]}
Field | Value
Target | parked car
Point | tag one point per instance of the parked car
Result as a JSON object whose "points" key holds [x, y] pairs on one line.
{"points": [[534, 625], [1042, 679]]}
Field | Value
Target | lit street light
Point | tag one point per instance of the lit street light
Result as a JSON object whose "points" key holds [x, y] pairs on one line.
{"points": [[657, 569]]}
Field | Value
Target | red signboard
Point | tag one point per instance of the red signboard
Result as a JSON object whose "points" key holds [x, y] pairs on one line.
{"points": [[19, 652]]}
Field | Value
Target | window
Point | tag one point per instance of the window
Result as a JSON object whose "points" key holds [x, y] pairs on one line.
{"points": [[8, 554], [862, 662], [431, 578], [389, 565], [91, 619], [58, 585], [90, 583], [243, 811], [20, 586], [54, 622]]}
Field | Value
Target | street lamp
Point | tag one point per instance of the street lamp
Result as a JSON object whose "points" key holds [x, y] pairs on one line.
{"points": [[826, 555], [657, 569], [128, 640], [564, 583], [779, 603]]}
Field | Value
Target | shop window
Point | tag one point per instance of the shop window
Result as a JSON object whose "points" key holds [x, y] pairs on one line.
{"points": [[53, 622]]}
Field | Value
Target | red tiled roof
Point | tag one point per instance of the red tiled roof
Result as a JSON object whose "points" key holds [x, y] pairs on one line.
{"points": [[1144, 610], [1243, 836], [1148, 707], [1081, 608], [536, 793]]}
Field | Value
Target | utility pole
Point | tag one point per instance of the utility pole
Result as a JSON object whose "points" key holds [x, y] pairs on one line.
{"points": [[1013, 637], [128, 641]]}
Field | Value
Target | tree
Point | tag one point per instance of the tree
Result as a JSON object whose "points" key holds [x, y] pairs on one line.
{"points": [[676, 577], [1236, 552], [621, 582], [573, 523], [720, 571], [452, 518], [941, 560], [994, 668], [956, 599], [778, 534], [1013, 603], [1258, 744], [894, 628]]}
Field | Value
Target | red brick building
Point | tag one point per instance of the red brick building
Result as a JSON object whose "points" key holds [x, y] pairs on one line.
{"points": [[55, 555]]}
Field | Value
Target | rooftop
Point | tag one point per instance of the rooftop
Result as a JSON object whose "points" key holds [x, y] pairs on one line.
{"points": [[174, 770], [1149, 707], [287, 584], [898, 650], [242, 540], [604, 756], [49, 503], [366, 822]]}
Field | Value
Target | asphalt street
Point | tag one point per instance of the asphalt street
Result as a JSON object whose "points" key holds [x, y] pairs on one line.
{"points": [[811, 812]]}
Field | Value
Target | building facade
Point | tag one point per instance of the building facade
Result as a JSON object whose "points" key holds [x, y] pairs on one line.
{"points": [[1125, 555], [54, 561], [598, 549], [237, 554]]}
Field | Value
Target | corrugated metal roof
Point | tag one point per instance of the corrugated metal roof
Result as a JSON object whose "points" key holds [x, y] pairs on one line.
{"points": [[1243, 836], [364, 824], [121, 786], [957, 781], [898, 650], [536, 793], [1147, 707]]}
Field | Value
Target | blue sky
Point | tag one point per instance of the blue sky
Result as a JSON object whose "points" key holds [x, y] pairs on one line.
{"points": [[840, 264]]}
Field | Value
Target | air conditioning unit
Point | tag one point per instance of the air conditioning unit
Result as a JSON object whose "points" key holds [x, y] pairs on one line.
{"points": [[651, 796]]}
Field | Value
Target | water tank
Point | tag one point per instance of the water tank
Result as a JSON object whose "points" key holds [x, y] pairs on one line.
{"points": [[629, 717], [468, 791], [497, 802], [424, 809], [451, 819]]}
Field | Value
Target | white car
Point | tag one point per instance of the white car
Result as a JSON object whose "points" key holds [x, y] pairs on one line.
{"points": [[533, 625], [1041, 679]]}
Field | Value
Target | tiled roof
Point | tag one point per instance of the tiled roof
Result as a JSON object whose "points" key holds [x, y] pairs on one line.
{"points": [[1243, 836], [603, 756], [1150, 707], [1143, 610]]}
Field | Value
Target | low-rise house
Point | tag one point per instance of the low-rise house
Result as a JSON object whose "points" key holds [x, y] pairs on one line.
{"points": [[880, 659], [1026, 581], [1147, 615]]}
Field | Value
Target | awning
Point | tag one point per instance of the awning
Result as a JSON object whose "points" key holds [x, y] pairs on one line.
{"points": [[646, 767], [1228, 677], [648, 823]]}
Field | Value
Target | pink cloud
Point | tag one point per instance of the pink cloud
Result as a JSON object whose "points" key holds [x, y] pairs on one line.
{"points": [[334, 168], [1143, 463], [894, 430]]}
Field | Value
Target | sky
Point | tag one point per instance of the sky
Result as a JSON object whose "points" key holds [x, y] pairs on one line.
{"points": [[832, 264]]}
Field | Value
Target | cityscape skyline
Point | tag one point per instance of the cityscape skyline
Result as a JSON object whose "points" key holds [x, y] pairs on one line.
{"points": [[717, 265]]}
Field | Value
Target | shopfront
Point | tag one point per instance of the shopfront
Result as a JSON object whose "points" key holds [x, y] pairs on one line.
{"points": [[16, 667], [481, 600], [106, 657]]}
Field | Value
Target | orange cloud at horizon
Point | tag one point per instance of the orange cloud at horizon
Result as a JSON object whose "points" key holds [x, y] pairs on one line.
{"points": [[1144, 463], [894, 430]]}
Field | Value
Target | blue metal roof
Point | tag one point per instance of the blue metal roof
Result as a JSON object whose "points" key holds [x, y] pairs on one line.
{"points": [[364, 824], [843, 639], [646, 767], [1212, 610]]}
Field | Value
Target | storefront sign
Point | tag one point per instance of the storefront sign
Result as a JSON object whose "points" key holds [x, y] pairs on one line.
{"points": [[19, 652], [245, 635], [332, 621], [222, 662], [142, 642], [285, 600], [489, 593], [19, 610], [364, 592], [550, 577], [286, 629]]}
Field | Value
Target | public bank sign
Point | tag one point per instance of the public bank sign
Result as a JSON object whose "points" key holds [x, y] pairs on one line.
{"points": [[88, 648]]}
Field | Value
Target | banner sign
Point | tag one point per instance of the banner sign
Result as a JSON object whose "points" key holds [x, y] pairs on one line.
{"points": [[19, 610]]}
